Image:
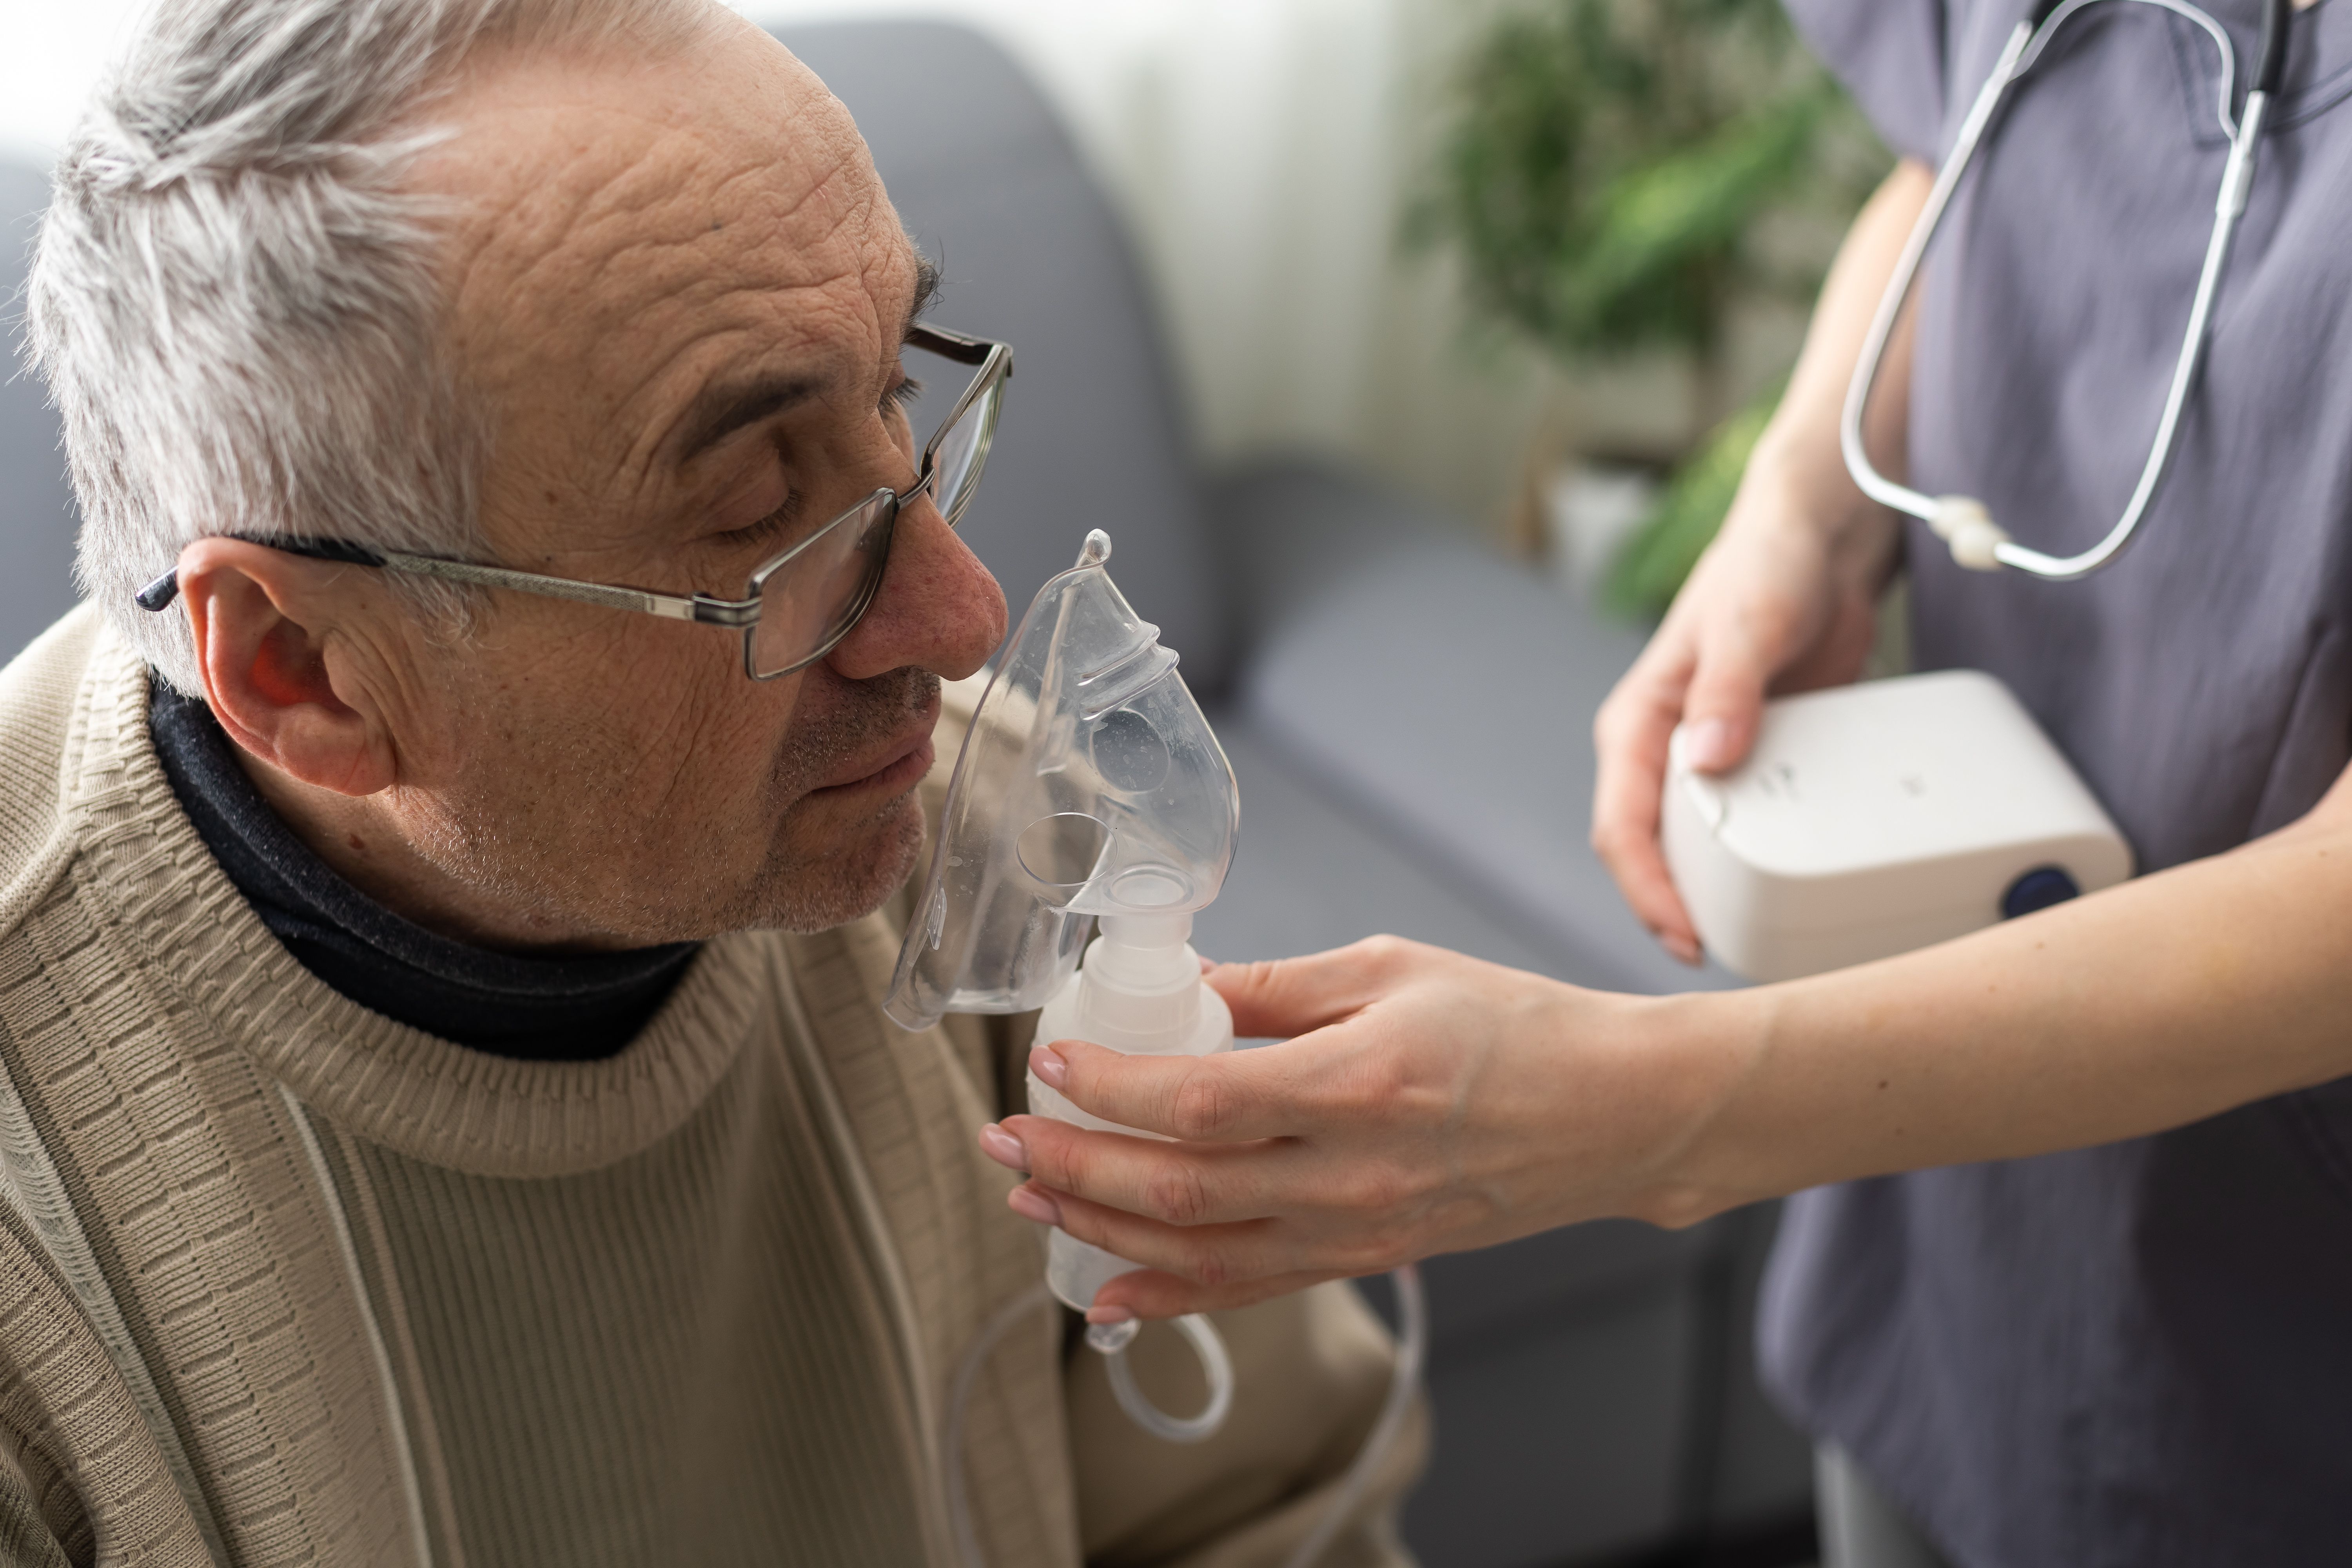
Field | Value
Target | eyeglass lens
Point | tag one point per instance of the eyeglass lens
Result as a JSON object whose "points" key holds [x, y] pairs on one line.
{"points": [[961, 450], [809, 604], [812, 602]]}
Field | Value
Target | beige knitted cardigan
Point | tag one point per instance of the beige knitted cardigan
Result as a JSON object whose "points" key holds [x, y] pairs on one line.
{"points": [[216, 1338]]}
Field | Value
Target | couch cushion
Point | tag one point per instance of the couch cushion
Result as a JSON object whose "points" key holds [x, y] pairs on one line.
{"points": [[1311, 873], [990, 186], [1452, 696]]}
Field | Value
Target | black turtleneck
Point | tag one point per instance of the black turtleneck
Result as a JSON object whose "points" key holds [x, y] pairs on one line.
{"points": [[547, 1009]]}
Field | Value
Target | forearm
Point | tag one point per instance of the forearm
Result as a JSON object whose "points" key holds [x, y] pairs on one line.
{"points": [[1799, 452], [1427, 1102], [2151, 1004]]}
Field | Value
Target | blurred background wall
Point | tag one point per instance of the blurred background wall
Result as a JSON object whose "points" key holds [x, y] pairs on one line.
{"points": [[1263, 154]]}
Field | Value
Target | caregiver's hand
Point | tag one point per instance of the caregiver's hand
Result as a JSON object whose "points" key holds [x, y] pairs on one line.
{"points": [[1429, 1102], [1778, 603], [1785, 598]]}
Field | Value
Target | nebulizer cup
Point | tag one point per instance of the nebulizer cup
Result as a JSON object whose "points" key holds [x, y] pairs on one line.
{"points": [[1091, 790], [1139, 991]]}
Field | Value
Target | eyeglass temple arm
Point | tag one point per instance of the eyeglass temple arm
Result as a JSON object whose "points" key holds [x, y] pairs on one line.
{"points": [[160, 594], [670, 606], [960, 347]]}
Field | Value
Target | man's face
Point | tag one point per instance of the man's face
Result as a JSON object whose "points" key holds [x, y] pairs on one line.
{"points": [[679, 291]]}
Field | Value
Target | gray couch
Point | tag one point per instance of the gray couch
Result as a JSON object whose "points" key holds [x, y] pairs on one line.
{"points": [[1409, 717]]}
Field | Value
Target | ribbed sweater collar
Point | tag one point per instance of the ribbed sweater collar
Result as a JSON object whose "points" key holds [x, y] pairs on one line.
{"points": [[573, 1008], [171, 911]]}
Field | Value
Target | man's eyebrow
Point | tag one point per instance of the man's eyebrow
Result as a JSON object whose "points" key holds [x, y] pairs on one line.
{"points": [[726, 407]]}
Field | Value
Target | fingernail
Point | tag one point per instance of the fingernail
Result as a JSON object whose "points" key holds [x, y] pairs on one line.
{"points": [[1109, 1315], [1005, 1148], [1710, 744], [1051, 1069], [1031, 1204], [1681, 947]]}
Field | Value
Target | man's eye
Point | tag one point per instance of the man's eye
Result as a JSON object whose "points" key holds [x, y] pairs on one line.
{"points": [[903, 396], [775, 525]]}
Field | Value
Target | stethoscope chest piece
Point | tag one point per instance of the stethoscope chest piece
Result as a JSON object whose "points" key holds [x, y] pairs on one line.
{"points": [[1965, 525]]}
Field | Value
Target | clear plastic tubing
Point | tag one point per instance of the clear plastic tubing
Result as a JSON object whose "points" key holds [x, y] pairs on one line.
{"points": [[1412, 1350]]}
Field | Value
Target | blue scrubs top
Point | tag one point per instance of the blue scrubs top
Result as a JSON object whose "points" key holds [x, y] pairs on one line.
{"points": [[2140, 1353]]}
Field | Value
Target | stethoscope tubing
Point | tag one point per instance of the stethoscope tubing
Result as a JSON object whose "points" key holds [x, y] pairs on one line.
{"points": [[1975, 540]]}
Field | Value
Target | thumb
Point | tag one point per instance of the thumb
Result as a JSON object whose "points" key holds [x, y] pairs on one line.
{"points": [[1725, 702], [1277, 998]]}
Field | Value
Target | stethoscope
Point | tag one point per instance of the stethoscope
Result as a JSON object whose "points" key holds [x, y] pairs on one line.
{"points": [[1976, 541]]}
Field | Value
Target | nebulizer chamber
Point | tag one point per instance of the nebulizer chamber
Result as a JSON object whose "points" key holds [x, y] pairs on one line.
{"points": [[1139, 991], [1091, 790]]}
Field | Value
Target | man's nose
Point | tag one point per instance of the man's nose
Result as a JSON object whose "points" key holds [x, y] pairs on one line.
{"points": [[938, 608]]}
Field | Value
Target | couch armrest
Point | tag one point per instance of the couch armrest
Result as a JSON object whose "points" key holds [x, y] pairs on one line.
{"points": [[1451, 695]]}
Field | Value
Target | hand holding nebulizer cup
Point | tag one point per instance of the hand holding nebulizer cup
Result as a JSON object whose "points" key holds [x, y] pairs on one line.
{"points": [[1090, 788]]}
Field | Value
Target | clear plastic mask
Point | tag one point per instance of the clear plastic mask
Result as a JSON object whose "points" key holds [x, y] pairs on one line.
{"points": [[1090, 785]]}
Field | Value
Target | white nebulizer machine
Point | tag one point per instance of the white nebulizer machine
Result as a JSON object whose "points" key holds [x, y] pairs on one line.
{"points": [[1876, 818], [1090, 793]]}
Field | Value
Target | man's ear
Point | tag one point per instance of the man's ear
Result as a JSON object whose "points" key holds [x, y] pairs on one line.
{"points": [[282, 685]]}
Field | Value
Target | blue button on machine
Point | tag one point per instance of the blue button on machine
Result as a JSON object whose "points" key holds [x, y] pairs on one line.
{"points": [[2038, 890]]}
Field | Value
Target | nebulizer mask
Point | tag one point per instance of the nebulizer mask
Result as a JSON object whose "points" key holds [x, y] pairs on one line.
{"points": [[1091, 791]]}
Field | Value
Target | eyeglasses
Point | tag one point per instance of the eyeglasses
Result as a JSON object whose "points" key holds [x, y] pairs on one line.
{"points": [[800, 603]]}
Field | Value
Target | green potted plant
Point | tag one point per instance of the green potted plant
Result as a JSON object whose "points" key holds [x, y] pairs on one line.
{"points": [[1606, 176]]}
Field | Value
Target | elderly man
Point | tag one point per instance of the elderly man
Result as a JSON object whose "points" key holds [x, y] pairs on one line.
{"points": [[447, 1114]]}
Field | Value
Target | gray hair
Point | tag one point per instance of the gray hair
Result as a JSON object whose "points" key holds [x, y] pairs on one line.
{"points": [[234, 299]]}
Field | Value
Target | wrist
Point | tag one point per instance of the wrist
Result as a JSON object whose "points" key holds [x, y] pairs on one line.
{"points": [[1799, 477], [1707, 1051]]}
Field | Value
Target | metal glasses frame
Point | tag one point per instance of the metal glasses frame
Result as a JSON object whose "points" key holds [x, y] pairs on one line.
{"points": [[994, 361]]}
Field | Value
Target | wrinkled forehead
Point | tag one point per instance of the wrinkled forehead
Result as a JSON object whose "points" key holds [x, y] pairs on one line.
{"points": [[626, 228]]}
